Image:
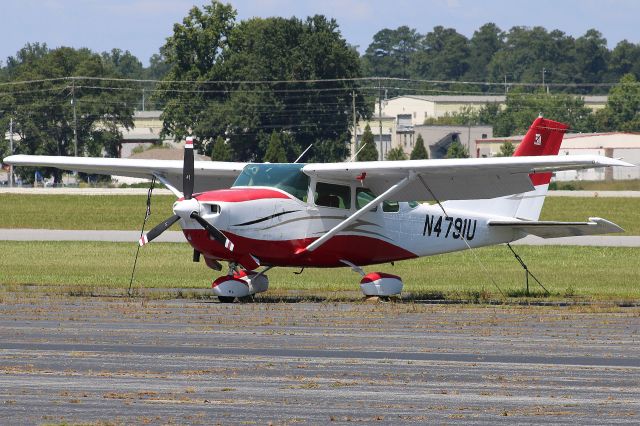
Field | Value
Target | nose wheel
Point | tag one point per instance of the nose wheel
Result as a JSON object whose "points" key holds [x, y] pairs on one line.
{"points": [[239, 284]]}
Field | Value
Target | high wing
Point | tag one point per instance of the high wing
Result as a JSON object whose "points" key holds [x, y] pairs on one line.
{"points": [[210, 174], [455, 179], [546, 229]]}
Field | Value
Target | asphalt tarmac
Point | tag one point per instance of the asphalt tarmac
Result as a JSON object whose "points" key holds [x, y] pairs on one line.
{"points": [[141, 361]]}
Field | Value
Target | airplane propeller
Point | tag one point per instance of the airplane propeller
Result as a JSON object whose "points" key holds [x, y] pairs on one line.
{"points": [[189, 208], [158, 229], [188, 169]]}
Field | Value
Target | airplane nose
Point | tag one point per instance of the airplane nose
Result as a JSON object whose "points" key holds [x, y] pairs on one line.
{"points": [[184, 208]]}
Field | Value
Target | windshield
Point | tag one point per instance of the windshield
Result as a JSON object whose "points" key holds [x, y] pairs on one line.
{"points": [[287, 177]]}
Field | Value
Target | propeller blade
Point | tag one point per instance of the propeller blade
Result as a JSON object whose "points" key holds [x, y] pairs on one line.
{"points": [[158, 229], [188, 169], [213, 231]]}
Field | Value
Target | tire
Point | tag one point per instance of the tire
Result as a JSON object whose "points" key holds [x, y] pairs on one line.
{"points": [[226, 299]]}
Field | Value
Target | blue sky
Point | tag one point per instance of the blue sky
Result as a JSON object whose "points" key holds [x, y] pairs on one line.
{"points": [[141, 26]]}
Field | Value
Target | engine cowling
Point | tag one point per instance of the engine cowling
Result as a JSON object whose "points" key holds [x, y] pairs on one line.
{"points": [[381, 284]]}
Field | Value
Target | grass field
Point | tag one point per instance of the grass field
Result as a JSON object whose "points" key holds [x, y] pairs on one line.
{"points": [[567, 272], [126, 212], [598, 185]]}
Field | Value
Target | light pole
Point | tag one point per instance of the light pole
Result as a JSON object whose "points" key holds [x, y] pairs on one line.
{"points": [[11, 151]]}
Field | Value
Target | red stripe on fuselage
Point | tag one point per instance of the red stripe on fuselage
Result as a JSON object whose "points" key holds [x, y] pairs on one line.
{"points": [[240, 194], [356, 249]]}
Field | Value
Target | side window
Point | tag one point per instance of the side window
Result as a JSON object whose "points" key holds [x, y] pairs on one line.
{"points": [[363, 197], [330, 195], [390, 206]]}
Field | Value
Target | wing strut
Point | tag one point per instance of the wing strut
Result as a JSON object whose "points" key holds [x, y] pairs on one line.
{"points": [[170, 187], [433, 196], [348, 221]]}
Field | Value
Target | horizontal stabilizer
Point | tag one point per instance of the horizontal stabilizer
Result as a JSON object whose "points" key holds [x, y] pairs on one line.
{"points": [[545, 229]]}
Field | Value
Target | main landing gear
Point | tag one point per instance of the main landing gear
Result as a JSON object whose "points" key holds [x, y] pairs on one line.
{"points": [[239, 284], [377, 284]]}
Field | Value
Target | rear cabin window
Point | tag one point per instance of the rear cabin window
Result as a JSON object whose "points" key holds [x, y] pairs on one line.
{"points": [[390, 206], [331, 195]]}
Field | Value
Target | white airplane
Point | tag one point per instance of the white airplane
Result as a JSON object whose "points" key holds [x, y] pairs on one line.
{"points": [[351, 214]]}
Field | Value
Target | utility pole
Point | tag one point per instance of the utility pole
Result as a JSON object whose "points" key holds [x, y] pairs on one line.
{"points": [[11, 151], [380, 115], [543, 71], [143, 93], [75, 121], [505, 85], [355, 129]]}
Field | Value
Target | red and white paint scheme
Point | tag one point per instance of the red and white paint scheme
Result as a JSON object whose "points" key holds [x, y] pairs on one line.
{"points": [[380, 284], [357, 214], [240, 284]]}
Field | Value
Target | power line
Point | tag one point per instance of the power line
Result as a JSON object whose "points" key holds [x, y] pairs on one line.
{"points": [[309, 81]]}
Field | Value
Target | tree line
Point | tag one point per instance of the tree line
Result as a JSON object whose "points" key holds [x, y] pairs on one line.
{"points": [[264, 89], [521, 55]]}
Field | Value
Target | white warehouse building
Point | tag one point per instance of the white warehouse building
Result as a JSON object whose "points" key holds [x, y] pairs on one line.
{"points": [[615, 145]]}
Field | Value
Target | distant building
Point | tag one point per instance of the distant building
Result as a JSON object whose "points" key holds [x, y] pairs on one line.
{"points": [[613, 145], [384, 138], [144, 134], [467, 135], [421, 108]]}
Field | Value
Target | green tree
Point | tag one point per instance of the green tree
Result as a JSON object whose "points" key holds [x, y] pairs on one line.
{"points": [[443, 55], [396, 153], [369, 151], [221, 151], [233, 64], [486, 41], [522, 108], [592, 58], [419, 151], [622, 112], [457, 150], [391, 52], [275, 151], [158, 67], [123, 64], [506, 149], [529, 51], [624, 59], [45, 123]]}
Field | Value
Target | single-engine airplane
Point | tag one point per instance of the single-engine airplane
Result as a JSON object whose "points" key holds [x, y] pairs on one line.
{"points": [[351, 214]]}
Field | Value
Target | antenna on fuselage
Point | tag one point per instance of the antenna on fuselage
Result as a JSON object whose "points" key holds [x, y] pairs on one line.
{"points": [[356, 154], [303, 153]]}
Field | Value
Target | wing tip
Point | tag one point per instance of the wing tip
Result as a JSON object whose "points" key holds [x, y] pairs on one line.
{"points": [[606, 225]]}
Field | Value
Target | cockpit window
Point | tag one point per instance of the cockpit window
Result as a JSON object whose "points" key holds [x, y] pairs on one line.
{"points": [[287, 177]]}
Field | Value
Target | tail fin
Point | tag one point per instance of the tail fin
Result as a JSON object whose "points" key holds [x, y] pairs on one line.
{"points": [[543, 138]]}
